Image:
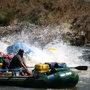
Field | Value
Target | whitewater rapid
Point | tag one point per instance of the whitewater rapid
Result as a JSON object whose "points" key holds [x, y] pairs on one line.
{"points": [[60, 51]]}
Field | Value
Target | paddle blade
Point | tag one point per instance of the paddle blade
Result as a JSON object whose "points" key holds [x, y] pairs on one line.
{"points": [[7, 42], [81, 67], [52, 49]]}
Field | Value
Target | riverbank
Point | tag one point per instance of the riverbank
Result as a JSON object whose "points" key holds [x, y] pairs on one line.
{"points": [[73, 16]]}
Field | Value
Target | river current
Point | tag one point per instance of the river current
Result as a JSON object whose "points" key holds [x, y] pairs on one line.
{"points": [[60, 52]]}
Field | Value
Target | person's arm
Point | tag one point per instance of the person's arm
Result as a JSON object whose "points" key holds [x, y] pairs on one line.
{"points": [[25, 66], [27, 70], [24, 63]]}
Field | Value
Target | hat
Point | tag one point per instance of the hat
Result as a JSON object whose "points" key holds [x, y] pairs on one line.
{"points": [[21, 51]]}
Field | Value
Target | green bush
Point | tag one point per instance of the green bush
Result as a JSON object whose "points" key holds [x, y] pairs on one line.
{"points": [[5, 17]]}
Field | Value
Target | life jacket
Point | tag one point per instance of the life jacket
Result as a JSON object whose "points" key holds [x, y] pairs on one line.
{"points": [[6, 56], [6, 60]]}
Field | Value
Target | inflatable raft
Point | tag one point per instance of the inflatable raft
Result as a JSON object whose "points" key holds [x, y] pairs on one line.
{"points": [[47, 75]]}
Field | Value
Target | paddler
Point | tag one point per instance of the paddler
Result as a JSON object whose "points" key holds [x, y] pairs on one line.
{"points": [[18, 62]]}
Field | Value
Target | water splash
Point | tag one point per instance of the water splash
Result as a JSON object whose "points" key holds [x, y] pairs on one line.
{"points": [[63, 53], [3, 47]]}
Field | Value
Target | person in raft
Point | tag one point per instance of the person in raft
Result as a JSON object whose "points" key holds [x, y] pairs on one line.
{"points": [[18, 62]]}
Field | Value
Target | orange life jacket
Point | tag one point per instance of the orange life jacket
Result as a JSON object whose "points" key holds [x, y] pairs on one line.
{"points": [[6, 56]]}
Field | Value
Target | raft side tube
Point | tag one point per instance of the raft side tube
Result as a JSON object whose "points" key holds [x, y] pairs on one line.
{"points": [[59, 79]]}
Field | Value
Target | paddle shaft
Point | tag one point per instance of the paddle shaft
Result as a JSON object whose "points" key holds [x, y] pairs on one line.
{"points": [[18, 69], [80, 67]]}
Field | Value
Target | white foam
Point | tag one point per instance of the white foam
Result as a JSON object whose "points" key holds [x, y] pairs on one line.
{"points": [[63, 53]]}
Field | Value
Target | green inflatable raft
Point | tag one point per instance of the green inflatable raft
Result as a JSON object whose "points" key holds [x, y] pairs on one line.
{"points": [[60, 78], [47, 75]]}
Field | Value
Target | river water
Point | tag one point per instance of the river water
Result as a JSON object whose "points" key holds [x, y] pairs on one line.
{"points": [[61, 52]]}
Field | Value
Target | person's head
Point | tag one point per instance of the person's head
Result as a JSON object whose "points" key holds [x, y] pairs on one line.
{"points": [[20, 52]]}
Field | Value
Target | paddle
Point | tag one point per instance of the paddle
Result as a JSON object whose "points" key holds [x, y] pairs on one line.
{"points": [[80, 67], [77, 67], [7, 42], [18, 69], [52, 49], [65, 69]]}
